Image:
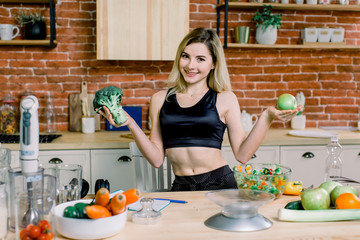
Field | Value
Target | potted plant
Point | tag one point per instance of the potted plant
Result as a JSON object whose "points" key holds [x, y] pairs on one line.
{"points": [[34, 22], [267, 25]]}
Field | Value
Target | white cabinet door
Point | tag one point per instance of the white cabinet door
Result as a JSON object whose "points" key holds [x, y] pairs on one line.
{"points": [[306, 162], [264, 154], [115, 165], [81, 157], [350, 157]]}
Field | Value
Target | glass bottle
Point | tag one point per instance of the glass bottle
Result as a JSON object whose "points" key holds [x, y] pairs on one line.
{"points": [[9, 115], [50, 116], [333, 164]]}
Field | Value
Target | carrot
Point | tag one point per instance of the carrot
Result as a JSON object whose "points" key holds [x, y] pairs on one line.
{"points": [[118, 204], [97, 211], [132, 195], [102, 197]]}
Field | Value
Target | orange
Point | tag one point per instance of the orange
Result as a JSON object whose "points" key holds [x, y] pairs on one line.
{"points": [[97, 211], [102, 197], [132, 195], [118, 204], [347, 201]]}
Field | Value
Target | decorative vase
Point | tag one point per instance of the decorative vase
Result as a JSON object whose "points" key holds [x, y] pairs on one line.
{"points": [[266, 36], [35, 31]]}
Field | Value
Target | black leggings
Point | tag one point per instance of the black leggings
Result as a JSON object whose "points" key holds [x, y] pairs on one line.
{"points": [[221, 178]]}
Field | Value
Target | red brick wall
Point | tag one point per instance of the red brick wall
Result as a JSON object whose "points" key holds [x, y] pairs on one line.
{"points": [[328, 78]]}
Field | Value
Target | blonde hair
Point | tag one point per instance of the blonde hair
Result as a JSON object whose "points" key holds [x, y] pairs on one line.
{"points": [[218, 78]]}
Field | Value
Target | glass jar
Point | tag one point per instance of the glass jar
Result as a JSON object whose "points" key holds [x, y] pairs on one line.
{"points": [[9, 115], [50, 116]]}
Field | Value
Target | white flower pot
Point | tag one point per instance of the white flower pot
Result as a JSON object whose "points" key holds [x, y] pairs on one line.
{"points": [[267, 36]]}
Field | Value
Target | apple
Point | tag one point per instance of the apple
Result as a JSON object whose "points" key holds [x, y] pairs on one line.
{"points": [[337, 191], [286, 101], [329, 185], [315, 199]]}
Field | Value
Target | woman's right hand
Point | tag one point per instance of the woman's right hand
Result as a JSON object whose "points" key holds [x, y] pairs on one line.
{"points": [[105, 112]]}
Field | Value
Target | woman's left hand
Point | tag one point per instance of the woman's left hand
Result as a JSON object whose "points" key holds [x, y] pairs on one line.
{"points": [[284, 115]]}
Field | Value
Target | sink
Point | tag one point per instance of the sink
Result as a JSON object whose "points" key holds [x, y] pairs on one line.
{"points": [[15, 138]]}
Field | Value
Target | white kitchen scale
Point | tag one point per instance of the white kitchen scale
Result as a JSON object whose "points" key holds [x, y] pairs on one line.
{"points": [[239, 210]]}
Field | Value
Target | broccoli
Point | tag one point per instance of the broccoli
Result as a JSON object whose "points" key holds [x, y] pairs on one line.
{"points": [[110, 97]]}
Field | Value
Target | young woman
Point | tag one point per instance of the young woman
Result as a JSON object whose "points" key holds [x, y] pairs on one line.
{"points": [[189, 119]]}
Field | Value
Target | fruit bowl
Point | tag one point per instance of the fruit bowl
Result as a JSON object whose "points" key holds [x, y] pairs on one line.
{"points": [[267, 177], [87, 228]]}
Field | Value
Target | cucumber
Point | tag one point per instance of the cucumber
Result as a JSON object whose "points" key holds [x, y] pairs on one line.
{"points": [[294, 205], [328, 215]]}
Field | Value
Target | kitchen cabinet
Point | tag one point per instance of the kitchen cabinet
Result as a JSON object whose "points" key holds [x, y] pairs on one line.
{"points": [[115, 165], [81, 157], [140, 29], [306, 162], [265, 154], [226, 6], [51, 42]]}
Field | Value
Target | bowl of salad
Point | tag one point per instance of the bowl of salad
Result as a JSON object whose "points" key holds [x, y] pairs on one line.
{"points": [[268, 177]]}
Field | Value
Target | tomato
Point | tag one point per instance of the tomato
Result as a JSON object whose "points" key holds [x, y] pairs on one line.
{"points": [[44, 225], [44, 236], [23, 233], [102, 197], [347, 201], [132, 195], [26, 237], [34, 232], [29, 226], [49, 234]]}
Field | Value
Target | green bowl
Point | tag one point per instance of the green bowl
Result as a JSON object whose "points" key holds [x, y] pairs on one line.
{"points": [[266, 177]]}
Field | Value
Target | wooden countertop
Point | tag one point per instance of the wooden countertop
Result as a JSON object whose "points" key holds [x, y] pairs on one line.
{"points": [[117, 139], [186, 221]]}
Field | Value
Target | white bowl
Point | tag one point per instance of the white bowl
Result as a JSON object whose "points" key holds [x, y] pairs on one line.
{"points": [[87, 228]]}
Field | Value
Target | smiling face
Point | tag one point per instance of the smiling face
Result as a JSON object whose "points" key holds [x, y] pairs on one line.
{"points": [[195, 63]]}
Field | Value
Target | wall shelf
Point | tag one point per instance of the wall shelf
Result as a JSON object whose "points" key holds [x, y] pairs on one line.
{"points": [[294, 46], [51, 42], [226, 5], [291, 6], [27, 42]]}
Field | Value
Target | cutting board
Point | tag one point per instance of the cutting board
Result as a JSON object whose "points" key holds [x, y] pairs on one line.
{"points": [[75, 112]]}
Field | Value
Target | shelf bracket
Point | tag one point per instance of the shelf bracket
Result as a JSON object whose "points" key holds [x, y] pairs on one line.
{"points": [[52, 23], [226, 14]]}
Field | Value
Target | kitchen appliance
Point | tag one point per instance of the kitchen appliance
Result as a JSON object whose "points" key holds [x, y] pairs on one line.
{"points": [[29, 151], [239, 211]]}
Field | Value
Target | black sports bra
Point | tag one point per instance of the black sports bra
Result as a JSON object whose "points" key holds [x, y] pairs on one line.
{"points": [[196, 126]]}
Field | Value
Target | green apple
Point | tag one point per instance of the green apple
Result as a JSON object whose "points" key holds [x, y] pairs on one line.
{"points": [[286, 101], [337, 191], [315, 199], [329, 185]]}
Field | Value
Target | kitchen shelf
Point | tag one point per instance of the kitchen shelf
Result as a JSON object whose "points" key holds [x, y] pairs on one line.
{"points": [[226, 5], [292, 6], [46, 43], [49, 43], [294, 46]]}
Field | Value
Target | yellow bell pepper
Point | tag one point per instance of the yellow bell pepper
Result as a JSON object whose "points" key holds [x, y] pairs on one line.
{"points": [[293, 188]]}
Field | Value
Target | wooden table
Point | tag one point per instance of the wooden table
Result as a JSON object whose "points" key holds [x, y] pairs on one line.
{"points": [[186, 221]]}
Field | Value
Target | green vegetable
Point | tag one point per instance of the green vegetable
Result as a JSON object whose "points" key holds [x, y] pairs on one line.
{"points": [[295, 205], [71, 212], [327, 215], [80, 207], [111, 97]]}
